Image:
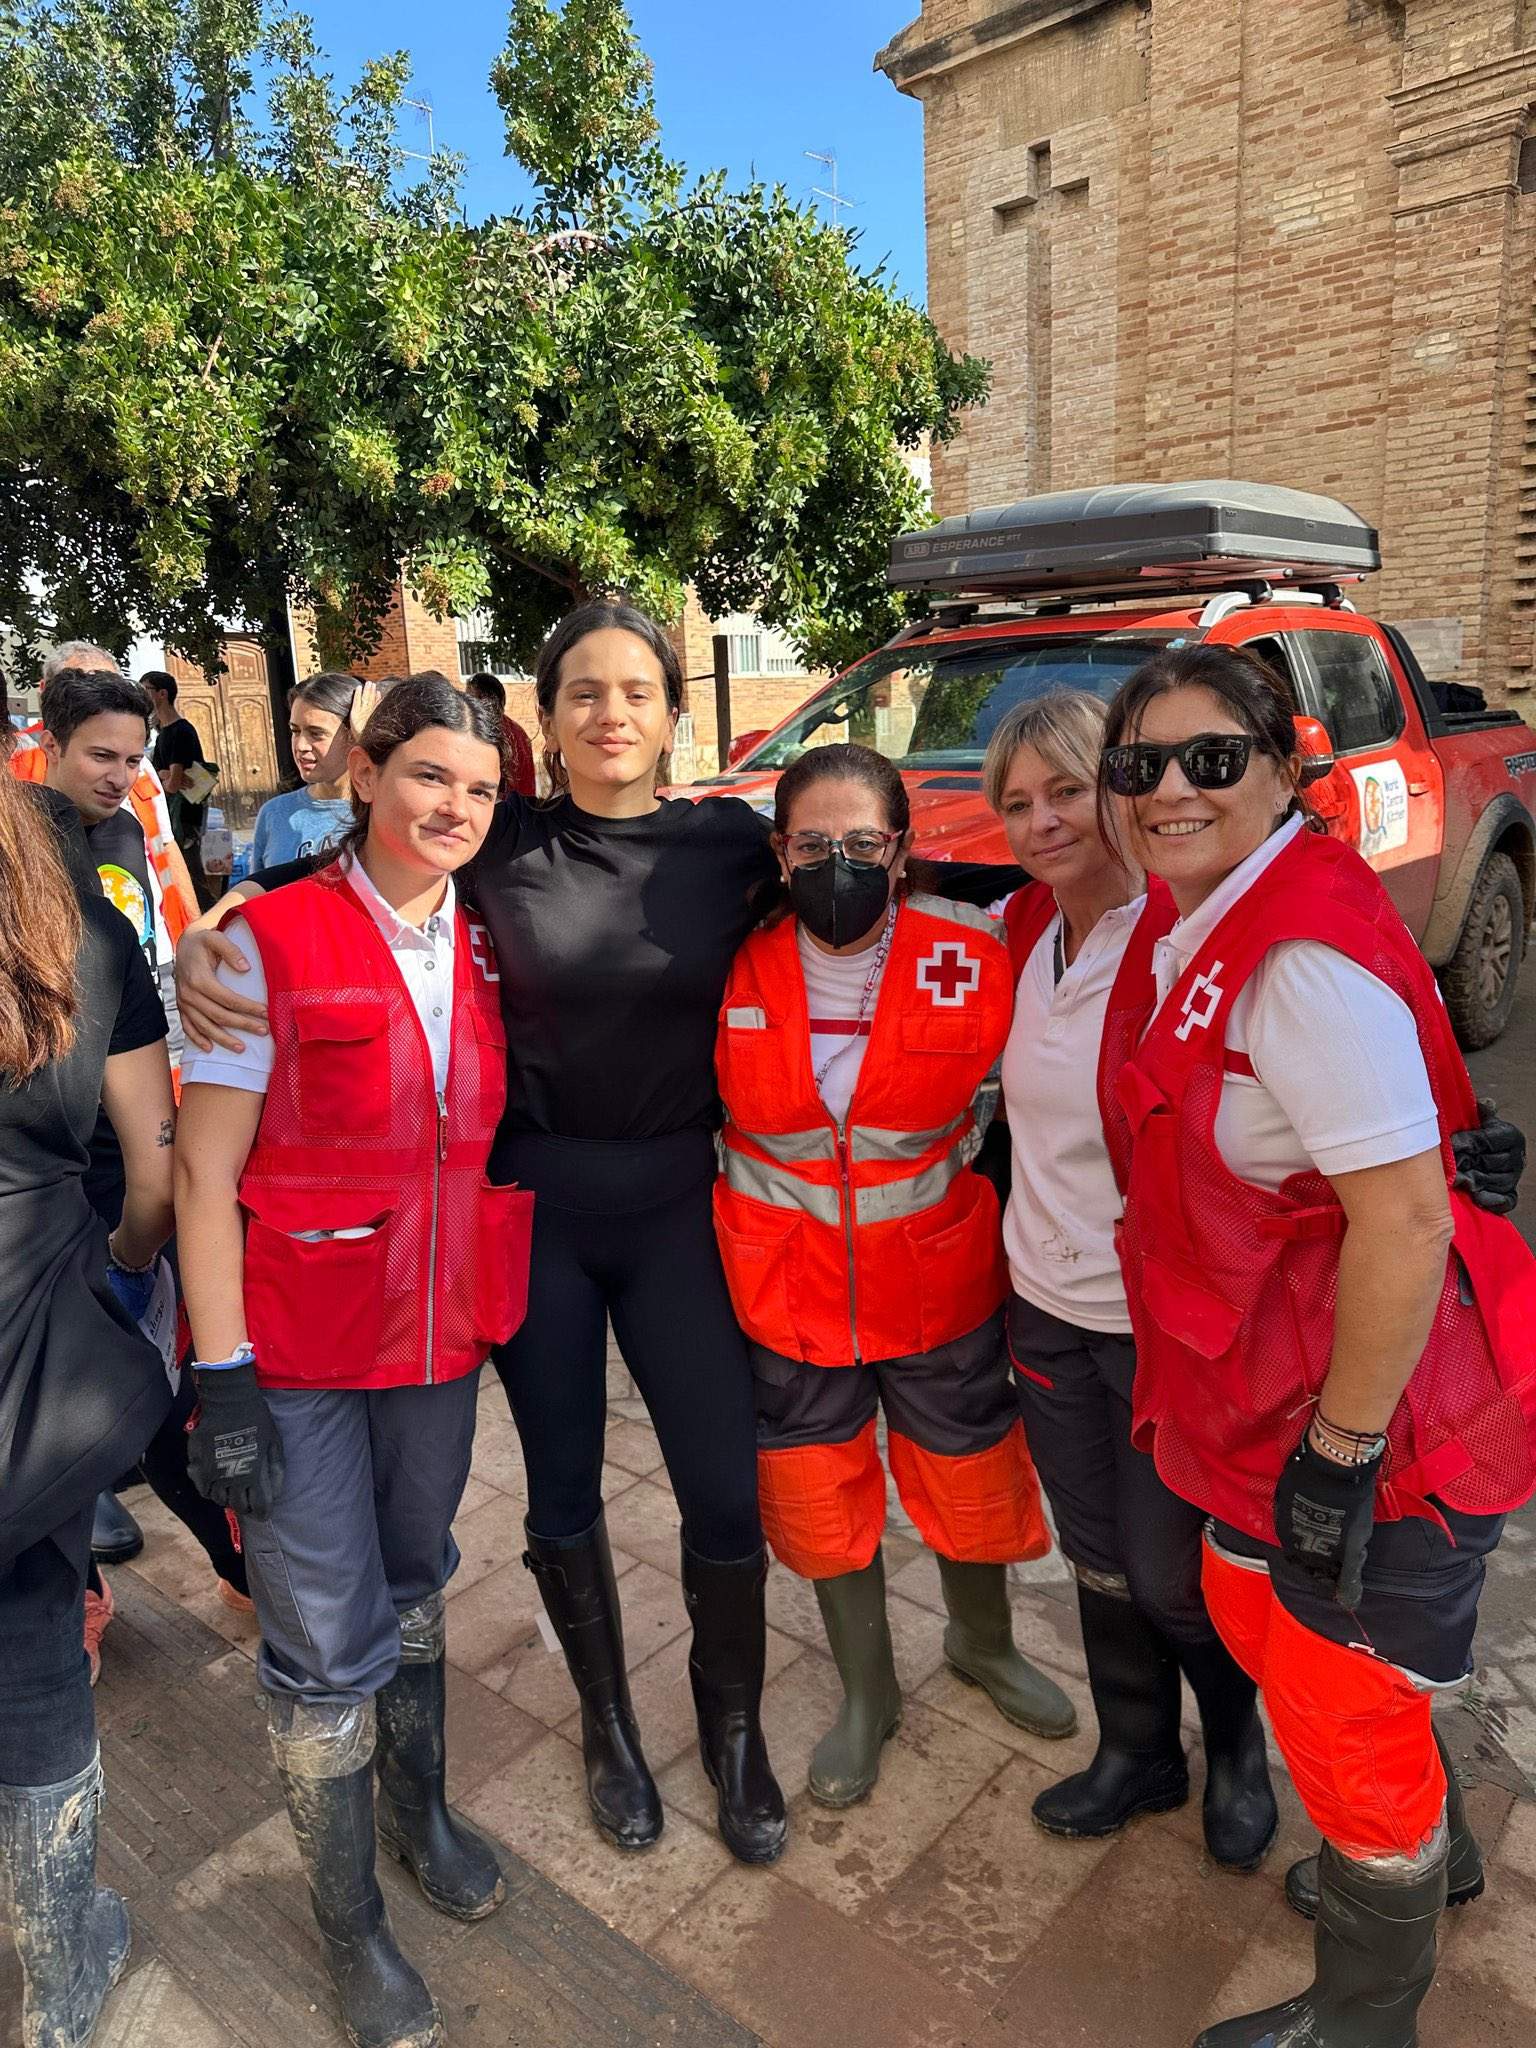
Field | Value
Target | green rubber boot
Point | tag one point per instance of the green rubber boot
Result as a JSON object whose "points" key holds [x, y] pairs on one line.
{"points": [[979, 1647], [847, 1759]]}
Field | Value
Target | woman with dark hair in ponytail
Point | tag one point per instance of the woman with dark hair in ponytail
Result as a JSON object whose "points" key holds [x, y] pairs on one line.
{"points": [[615, 915], [347, 1269]]}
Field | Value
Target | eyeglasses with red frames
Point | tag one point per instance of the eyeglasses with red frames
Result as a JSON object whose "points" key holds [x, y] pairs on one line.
{"points": [[865, 848]]}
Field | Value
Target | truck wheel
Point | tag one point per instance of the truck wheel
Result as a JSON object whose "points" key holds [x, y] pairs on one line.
{"points": [[1479, 981]]}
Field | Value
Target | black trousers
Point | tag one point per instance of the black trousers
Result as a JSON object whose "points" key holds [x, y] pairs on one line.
{"points": [[1114, 1516], [623, 1231], [47, 1718]]}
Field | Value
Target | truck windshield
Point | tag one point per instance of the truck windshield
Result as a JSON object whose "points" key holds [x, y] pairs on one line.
{"points": [[937, 706]]}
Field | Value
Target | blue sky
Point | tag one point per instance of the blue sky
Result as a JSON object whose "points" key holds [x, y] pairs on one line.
{"points": [[744, 85]]}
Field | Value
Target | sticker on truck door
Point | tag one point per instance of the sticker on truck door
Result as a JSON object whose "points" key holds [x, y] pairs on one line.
{"points": [[1383, 792]]}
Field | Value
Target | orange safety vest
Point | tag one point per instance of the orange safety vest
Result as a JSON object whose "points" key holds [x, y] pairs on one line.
{"points": [[147, 799], [876, 1240]]}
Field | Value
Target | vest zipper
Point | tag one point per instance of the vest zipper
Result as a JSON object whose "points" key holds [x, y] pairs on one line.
{"points": [[845, 1169], [437, 1189]]}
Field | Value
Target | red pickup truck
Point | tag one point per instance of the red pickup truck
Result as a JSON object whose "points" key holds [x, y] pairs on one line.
{"points": [[1074, 589]]}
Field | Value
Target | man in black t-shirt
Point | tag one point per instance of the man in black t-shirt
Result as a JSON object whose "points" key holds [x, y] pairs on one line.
{"points": [[177, 751]]}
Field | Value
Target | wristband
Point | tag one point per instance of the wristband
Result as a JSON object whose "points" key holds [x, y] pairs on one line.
{"points": [[122, 1265], [1344, 1447], [243, 1354]]}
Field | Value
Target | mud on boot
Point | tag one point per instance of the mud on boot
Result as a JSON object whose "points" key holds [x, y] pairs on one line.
{"points": [[580, 1595], [1139, 1766], [846, 1764], [71, 1935], [455, 1867], [324, 1756], [979, 1648]]}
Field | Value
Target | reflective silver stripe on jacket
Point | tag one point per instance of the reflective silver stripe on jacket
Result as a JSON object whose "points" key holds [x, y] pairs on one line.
{"points": [[794, 1148], [775, 1185], [958, 913], [909, 1197], [869, 1145]]}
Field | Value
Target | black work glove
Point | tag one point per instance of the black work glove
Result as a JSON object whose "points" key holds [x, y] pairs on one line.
{"points": [[1324, 1514], [1490, 1160], [234, 1453]]}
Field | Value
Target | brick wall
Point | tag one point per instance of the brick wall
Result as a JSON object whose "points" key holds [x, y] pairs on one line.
{"points": [[1229, 238]]}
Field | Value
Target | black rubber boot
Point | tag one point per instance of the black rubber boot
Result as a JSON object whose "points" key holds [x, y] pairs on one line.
{"points": [[1240, 1815], [1139, 1766], [1464, 1878], [1375, 1959], [575, 1576], [725, 1665], [325, 1764], [455, 1867], [71, 1934], [846, 1762], [979, 1647], [115, 1535]]}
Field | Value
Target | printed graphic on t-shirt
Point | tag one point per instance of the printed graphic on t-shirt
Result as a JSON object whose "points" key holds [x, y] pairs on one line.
{"points": [[129, 895]]}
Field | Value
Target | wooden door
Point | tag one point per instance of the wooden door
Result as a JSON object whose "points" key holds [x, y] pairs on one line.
{"points": [[233, 716]]}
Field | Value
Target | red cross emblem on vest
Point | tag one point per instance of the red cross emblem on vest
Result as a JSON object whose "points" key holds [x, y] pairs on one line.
{"points": [[482, 952], [949, 974], [1210, 988]]}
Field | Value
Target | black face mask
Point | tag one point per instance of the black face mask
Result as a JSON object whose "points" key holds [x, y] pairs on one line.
{"points": [[839, 902]]}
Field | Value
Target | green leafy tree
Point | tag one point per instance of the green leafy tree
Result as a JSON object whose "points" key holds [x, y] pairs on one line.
{"points": [[241, 364]]}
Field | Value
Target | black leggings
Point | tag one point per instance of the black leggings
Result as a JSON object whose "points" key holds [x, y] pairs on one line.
{"points": [[47, 1715], [623, 1231]]}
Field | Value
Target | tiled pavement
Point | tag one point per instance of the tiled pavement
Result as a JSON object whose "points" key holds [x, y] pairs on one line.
{"points": [[935, 1914]]}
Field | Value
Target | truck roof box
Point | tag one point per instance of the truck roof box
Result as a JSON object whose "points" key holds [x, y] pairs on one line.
{"points": [[1139, 540]]}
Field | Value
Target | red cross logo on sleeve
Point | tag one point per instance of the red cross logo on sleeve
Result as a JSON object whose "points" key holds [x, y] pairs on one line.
{"points": [[949, 974]]}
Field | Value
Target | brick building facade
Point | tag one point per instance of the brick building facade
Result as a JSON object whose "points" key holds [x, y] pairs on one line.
{"points": [[1232, 238]]}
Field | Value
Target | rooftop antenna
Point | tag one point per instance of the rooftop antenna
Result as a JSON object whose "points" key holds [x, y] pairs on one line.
{"points": [[834, 197], [422, 107]]}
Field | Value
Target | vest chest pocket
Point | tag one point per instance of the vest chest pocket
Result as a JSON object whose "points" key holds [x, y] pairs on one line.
{"points": [[344, 1078], [750, 1066]]}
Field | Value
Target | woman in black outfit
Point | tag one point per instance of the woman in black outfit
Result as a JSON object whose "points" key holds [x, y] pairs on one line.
{"points": [[81, 1389]]}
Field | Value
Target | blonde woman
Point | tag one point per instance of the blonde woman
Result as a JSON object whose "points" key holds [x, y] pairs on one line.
{"points": [[1134, 1546]]}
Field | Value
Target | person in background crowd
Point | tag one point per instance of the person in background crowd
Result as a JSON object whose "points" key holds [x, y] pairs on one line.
{"points": [[177, 753], [315, 816], [81, 1389], [863, 1253], [1334, 1344], [519, 779], [1134, 1545], [340, 1323]]}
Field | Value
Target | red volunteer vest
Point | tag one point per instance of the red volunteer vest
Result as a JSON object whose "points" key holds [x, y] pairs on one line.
{"points": [[878, 1241], [1026, 917], [1231, 1287], [353, 1133]]}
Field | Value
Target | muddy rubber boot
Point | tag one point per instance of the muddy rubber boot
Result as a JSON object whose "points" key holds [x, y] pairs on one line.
{"points": [[576, 1583], [979, 1647], [1464, 1871], [725, 1666], [1239, 1813], [1375, 1959], [71, 1934], [455, 1867], [846, 1761], [324, 1758], [1139, 1765]]}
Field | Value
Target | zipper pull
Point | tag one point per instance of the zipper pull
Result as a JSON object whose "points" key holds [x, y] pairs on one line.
{"points": [[442, 1125]]}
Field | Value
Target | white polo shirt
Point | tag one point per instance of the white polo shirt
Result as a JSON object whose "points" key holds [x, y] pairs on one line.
{"points": [[1059, 1225], [1339, 1082], [423, 954]]}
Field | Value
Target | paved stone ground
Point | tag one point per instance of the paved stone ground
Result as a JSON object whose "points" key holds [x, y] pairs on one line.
{"points": [[935, 1915]]}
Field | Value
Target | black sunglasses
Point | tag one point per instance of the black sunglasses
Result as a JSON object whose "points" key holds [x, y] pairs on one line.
{"points": [[1211, 760]]}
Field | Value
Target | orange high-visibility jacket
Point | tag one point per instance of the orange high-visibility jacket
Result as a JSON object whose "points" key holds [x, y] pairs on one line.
{"points": [[147, 799], [877, 1240]]}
